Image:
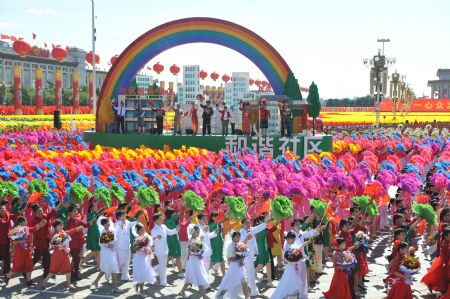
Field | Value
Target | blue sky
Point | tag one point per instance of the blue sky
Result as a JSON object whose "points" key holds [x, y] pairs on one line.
{"points": [[322, 41]]}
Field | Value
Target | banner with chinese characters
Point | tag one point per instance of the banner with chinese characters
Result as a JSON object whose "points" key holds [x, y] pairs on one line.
{"points": [[437, 105]]}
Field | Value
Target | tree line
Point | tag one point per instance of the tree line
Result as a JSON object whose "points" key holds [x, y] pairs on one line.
{"points": [[366, 101]]}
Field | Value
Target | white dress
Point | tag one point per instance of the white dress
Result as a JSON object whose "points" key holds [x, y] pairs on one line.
{"points": [[196, 272], [108, 257], [231, 283], [289, 282], [143, 271]]}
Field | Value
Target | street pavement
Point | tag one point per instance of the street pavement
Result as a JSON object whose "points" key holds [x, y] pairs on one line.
{"points": [[381, 247]]}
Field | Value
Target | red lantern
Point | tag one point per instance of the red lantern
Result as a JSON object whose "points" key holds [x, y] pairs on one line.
{"points": [[174, 69], [214, 76], [203, 74], [258, 83], [90, 58], [264, 83], [59, 53], [113, 59], [21, 47], [158, 68], [226, 78], [251, 82]]}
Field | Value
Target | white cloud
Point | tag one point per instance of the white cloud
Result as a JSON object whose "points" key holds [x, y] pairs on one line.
{"points": [[8, 25], [42, 11]]}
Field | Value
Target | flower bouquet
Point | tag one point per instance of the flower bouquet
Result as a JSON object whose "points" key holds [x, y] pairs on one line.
{"points": [[19, 233], [347, 261], [196, 248], [241, 250], [60, 239], [141, 244], [293, 255], [363, 241], [410, 265], [106, 239]]}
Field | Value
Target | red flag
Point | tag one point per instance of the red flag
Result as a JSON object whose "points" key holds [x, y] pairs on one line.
{"points": [[45, 44], [34, 35], [4, 36], [34, 197], [13, 38], [148, 68], [134, 210]]}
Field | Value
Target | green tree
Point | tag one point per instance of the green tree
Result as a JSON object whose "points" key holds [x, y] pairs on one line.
{"points": [[314, 106], [28, 95], [83, 96], [67, 97], [48, 95], [291, 88]]}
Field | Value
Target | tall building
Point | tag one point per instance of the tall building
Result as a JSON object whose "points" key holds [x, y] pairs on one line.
{"points": [[228, 94], [240, 87], [440, 88], [144, 81], [191, 84]]}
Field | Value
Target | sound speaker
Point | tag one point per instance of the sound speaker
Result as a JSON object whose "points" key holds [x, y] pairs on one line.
{"points": [[189, 131], [57, 119]]}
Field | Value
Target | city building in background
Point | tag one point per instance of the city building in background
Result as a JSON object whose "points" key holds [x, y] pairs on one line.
{"points": [[440, 88], [191, 84], [144, 81], [240, 87]]}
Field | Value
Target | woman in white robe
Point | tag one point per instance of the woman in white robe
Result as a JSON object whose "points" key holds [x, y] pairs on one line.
{"points": [[143, 271]]}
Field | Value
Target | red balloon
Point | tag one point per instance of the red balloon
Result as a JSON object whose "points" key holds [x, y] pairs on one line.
{"points": [[203, 74], [90, 58], [158, 68], [214, 76], [59, 53], [174, 69], [21, 47], [258, 83], [113, 59], [226, 78], [251, 82]]}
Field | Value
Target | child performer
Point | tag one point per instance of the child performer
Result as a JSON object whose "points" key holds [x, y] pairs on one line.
{"points": [[143, 271], [196, 273], [437, 277]]}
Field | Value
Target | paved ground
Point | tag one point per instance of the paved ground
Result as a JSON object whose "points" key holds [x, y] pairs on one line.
{"points": [[377, 262]]}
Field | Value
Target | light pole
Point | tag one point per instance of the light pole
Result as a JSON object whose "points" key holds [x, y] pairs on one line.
{"points": [[94, 91], [383, 40], [395, 78], [378, 67]]}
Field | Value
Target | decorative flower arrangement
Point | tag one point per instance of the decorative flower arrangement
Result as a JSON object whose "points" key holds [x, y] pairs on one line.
{"points": [[196, 248], [59, 239], [141, 244], [346, 260], [363, 242], [293, 255], [410, 265], [241, 250], [19, 233], [107, 238]]}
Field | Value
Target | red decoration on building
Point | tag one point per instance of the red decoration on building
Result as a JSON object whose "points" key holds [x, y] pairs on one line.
{"points": [[226, 78], [174, 69], [59, 53], [21, 47], [113, 59], [264, 83], [203, 74], [158, 68], [258, 83], [214, 76], [251, 82], [90, 58]]}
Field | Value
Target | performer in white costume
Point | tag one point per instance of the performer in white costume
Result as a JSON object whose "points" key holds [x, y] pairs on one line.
{"points": [[123, 230], [206, 236], [159, 235], [143, 271], [196, 273]]}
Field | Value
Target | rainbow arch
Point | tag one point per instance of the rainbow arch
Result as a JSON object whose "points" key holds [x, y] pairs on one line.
{"points": [[193, 30]]}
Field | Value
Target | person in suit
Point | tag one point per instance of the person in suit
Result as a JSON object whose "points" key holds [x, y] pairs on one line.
{"points": [[160, 114], [207, 114], [120, 120]]}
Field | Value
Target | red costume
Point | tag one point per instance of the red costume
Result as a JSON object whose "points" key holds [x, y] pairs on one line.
{"points": [[347, 236], [436, 278], [194, 120], [77, 242], [339, 287], [5, 225], [399, 289], [22, 261], [61, 263]]}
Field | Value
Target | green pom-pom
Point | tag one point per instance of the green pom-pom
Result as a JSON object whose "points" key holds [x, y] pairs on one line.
{"points": [[148, 196], [425, 212], [238, 207], [38, 186], [103, 194], [8, 189], [192, 201], [362, 201], [77, 193], [281, 208], [372, 209], [319, 207], [117, 192]]}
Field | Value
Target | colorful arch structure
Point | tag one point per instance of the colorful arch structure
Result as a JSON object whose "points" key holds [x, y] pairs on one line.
{"points": [[186, 31]]}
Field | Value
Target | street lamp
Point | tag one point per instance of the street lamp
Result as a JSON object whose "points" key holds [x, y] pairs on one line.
{"points": [[94, 93], [383, 40], [395, 78], [378, 78]]}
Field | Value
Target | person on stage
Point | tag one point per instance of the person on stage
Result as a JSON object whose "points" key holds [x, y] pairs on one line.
{"points": [[140, 114], [109, 264], [122, 229], [225, 119], [143, 271], [249, 233], [233, 118], [120, 112], [194, 118], [160, 114], [177, 120], [264, 116], [246, 118], [286, 120], [60, 260], [196, 273], [159, 235], [235, 279], [207, 115]]}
